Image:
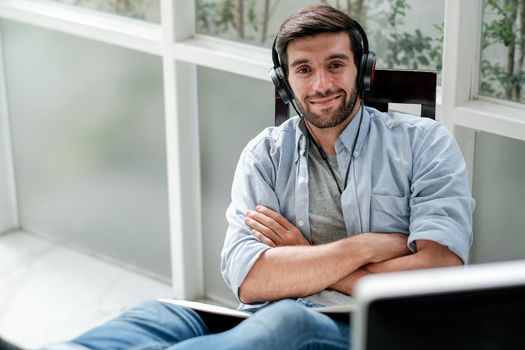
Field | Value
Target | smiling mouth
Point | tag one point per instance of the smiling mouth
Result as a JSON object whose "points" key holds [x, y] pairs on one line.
{"points": [[324, 100]]}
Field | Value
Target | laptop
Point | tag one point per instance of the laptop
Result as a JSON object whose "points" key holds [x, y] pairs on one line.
{"points": [[475, 307]]}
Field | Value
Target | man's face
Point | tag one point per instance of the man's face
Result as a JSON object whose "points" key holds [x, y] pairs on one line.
{"points": [[322, 74]]}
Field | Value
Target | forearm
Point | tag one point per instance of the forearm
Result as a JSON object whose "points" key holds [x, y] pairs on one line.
{"points": [[347, 283], [429, 255], [295, 271]]}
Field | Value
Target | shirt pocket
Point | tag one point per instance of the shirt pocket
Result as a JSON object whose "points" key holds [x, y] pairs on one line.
{"points": [[389, 213]]}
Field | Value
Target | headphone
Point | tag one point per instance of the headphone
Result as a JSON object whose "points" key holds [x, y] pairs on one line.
{"points": [[365, 70]]}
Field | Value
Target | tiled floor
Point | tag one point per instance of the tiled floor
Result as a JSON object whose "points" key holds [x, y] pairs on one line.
{"points": [[50, 293]]}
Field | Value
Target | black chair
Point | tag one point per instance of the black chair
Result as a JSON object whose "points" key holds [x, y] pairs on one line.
{"points": [[390, 86]]}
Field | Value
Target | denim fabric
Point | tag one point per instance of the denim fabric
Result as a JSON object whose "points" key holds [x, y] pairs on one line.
{"points": [[408, 175], [155, 325], [149, 325]]}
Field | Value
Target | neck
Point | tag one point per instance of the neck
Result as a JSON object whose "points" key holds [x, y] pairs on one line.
{"points": [[326, 137]]}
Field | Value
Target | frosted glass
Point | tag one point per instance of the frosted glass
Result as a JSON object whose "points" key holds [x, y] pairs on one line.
{"points": [[499, 220], [88, 137], [228, 119], [147, 10]]}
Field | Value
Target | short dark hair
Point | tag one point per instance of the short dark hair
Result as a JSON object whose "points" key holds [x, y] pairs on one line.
{"points": [[315, 20]]}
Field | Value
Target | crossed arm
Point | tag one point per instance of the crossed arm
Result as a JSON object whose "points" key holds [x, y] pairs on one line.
{"points": [[294, 268]]}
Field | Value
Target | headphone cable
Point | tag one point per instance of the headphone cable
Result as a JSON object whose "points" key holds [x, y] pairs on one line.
{"points": [[311, 136]]}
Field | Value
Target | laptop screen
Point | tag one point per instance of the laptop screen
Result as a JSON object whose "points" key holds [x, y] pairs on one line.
{"points": [[474, 308], [475, 319]]}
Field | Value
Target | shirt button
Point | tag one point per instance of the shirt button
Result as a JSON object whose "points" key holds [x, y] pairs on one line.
{"points": [[300, 223], [301, 180]]}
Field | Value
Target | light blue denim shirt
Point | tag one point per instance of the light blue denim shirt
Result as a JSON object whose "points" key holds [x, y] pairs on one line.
{"points": [[408, 175]]}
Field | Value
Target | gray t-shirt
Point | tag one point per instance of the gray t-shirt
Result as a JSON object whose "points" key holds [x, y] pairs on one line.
{"points": [[325, 213]]}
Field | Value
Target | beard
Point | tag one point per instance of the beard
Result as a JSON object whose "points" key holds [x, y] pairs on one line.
{"points": [[337, 117]]}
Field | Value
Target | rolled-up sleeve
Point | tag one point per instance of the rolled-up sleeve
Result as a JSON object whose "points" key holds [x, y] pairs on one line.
{"points": [[252, 185], [441, 204]]}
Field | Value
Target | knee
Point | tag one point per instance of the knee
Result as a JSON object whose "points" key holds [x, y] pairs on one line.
{"points": [[291, 323], [285, 313], [155, 309], [159, 314], [150, 306], [287, 307]]}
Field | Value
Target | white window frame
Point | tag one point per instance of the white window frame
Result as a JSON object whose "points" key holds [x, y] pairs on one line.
{"points": [[182, 51], [462, 109]]}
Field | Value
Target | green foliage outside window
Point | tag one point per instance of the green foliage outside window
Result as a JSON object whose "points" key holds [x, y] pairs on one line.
{"points": [[503, 50], [247, 20], [243, 20]]}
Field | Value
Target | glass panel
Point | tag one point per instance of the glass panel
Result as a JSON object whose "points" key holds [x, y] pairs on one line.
{"points": [[147, 10], [6, 221], [228, 119], [403, 33], [87, 125], [503, 50], [499, 223]]}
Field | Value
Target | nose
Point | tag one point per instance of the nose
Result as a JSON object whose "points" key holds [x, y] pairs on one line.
{"points": [[322, 81]]}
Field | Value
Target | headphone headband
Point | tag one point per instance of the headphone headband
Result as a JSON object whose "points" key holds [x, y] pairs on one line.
{"points": [[275, 55], [362, 34]]}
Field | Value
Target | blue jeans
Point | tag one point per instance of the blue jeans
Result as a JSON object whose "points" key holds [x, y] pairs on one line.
{"points": [[156, 325]]}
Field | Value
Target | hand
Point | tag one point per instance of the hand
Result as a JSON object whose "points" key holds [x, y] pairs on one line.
{"points": [[382, 248], [272, 228]]}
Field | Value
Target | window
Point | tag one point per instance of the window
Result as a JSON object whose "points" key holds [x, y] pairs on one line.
{"points": [[503, 53], [465, 103], [89, 150], [403, 33], [148, 10], [232, 44]]}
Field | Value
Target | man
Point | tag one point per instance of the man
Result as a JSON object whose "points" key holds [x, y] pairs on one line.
{"points": [[405, 175], [326, 198]]}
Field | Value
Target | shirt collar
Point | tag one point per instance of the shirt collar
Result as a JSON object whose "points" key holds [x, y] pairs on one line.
{"points": [[300, 138], [359, 124], [345, 140]]}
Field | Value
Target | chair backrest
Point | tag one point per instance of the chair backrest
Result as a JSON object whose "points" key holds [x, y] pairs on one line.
{"points": [[390, 86]]}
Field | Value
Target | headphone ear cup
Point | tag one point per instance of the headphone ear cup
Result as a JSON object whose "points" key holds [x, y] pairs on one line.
{"points": [[281, 84], [366, 71]]}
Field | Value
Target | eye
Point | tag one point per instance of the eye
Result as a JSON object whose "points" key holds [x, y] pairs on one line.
{"points": [[336, 65], [303, 70]]}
